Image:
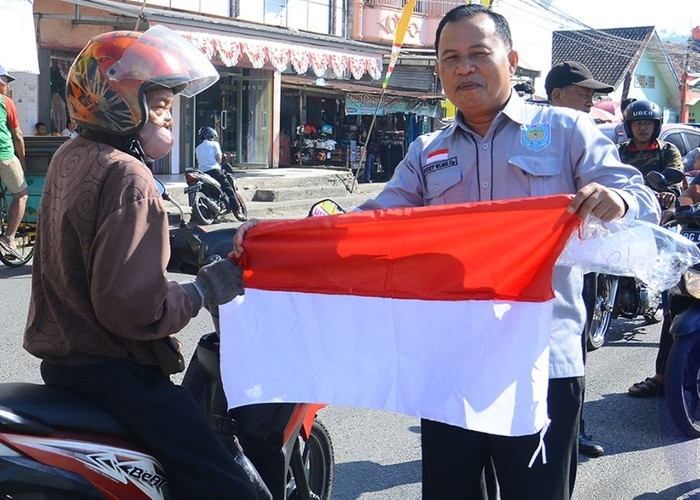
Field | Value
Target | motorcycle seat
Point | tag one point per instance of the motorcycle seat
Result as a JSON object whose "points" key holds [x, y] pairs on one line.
{"points": [[215, 241], [23, 403]]}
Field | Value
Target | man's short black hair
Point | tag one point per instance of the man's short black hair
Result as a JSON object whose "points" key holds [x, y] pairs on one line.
{"points": [[470, 10]]}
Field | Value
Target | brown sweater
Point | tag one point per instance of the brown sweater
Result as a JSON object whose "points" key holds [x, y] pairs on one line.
{"points": [[99, 287]]}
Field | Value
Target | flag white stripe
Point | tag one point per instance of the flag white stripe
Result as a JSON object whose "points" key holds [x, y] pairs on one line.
{"points": [[481, 365]]}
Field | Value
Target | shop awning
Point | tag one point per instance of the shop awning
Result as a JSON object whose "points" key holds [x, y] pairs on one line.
{"points": [[229, 49], [18, 51]]}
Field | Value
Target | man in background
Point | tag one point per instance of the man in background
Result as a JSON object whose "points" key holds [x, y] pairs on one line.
{"points": [[12, 165], [570, 84]]}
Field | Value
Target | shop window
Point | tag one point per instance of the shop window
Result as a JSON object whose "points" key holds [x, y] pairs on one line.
{"points": [[645, 81], [212, 7], [433, 9], [304, 15]]}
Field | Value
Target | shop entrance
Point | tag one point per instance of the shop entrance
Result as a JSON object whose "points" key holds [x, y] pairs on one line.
{"points": [[238, 108]]}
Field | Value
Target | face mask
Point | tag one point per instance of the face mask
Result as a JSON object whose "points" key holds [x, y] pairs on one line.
{"points": [[156, 141]]}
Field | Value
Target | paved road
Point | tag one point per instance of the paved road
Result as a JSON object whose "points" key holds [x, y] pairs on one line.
{"points": [[378, 454]]}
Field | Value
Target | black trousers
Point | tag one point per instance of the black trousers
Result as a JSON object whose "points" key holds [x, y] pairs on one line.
{"points": [[665, 343], [454, 459], [217, 174], [166, 419]]}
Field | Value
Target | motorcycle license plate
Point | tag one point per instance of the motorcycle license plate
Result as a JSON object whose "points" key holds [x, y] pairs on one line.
{"points": [[691, 235]]}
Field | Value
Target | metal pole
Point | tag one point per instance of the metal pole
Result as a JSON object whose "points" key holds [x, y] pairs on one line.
{"points": [[138, 19], [363, 156]]}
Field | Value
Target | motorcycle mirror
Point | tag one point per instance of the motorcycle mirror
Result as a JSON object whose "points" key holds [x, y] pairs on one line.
{"points": [[656, 181], [673, 175], [160, 186], [325, 207]]}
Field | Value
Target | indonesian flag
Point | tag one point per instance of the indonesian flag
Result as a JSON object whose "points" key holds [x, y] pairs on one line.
{"points": [[438, 312], [438, 155]]}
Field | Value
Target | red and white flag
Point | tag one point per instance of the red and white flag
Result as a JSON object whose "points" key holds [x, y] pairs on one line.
{"points": [[437, 312]]}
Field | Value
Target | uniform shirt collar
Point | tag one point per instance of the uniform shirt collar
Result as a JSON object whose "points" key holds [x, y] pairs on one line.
{"points": [[513, 110]]}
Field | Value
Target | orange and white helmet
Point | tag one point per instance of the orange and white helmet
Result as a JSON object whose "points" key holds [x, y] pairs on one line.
{"points": [[107, 82]]}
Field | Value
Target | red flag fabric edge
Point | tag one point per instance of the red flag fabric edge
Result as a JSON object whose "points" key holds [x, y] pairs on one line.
{"points": [[503, 250]]}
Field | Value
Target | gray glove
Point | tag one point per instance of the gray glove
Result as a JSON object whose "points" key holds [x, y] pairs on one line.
{"points": [[219, 282]]}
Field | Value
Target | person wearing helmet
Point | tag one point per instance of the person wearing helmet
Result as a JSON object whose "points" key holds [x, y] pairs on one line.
{"points": [[12, 165], [645, 150], [102, 312], [209, 158], [648, 153]]}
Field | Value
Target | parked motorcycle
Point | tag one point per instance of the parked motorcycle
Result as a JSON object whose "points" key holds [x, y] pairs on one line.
{"points": [[208, 199], [682, 377], [609, 297], [57, 445]]}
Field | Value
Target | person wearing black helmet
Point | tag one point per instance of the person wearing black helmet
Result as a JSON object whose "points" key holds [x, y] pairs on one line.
{"points": [[209, 158], [649, 153], [645, 150], [102, 311]]}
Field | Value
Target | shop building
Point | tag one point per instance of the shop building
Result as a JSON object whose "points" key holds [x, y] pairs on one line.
{"points": [[292, 71]]}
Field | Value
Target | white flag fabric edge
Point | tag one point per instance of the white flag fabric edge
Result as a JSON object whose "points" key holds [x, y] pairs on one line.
{"points": [[466, 363]]}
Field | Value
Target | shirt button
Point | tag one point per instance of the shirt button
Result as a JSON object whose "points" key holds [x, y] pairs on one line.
{"points": [[436, 188], [484, 146], [485, 185]]}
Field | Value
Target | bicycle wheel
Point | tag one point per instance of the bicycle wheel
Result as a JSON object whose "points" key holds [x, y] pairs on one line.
{"points": [[24, 239]]}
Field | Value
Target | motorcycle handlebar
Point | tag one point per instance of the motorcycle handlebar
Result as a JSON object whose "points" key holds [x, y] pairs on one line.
{"points": [[191, 248]]}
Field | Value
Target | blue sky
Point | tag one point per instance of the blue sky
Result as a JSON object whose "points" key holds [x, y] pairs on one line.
{"points": [[678, 16]]}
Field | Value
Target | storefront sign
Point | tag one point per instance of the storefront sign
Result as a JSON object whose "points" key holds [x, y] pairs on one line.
{"points": [[366, 104]]}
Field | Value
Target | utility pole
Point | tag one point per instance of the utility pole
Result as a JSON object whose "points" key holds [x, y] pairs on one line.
{"points": [[684, 83]]}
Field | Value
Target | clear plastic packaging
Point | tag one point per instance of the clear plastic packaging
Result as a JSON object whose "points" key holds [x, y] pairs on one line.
{"points": [[646, 251]]}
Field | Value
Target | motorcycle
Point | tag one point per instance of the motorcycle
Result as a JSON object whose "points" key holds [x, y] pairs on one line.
{"points": [[57, 445], [682, 377], [609, 297], [208, 199]]}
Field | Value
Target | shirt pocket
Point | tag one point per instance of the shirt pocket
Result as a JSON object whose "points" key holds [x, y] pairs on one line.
{"points": [[542, 173], [439, 186]]}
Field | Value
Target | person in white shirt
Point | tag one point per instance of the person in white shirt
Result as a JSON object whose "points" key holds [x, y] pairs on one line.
{"points": [[209, 158], [70, 130]]}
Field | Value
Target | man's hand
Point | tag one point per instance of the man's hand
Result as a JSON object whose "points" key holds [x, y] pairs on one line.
{"points": [[219, 282], [598, 200], [239, 236], [667, 200]]}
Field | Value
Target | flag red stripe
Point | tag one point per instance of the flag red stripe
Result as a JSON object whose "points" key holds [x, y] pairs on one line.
{"points": [[437, 152], [503, 250]]}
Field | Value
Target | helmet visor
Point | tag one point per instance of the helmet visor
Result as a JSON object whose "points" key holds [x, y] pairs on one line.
{"points": [[162, 57]]}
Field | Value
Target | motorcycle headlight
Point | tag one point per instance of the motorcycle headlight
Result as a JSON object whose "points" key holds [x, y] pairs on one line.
{"points": [[692, 282]]}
